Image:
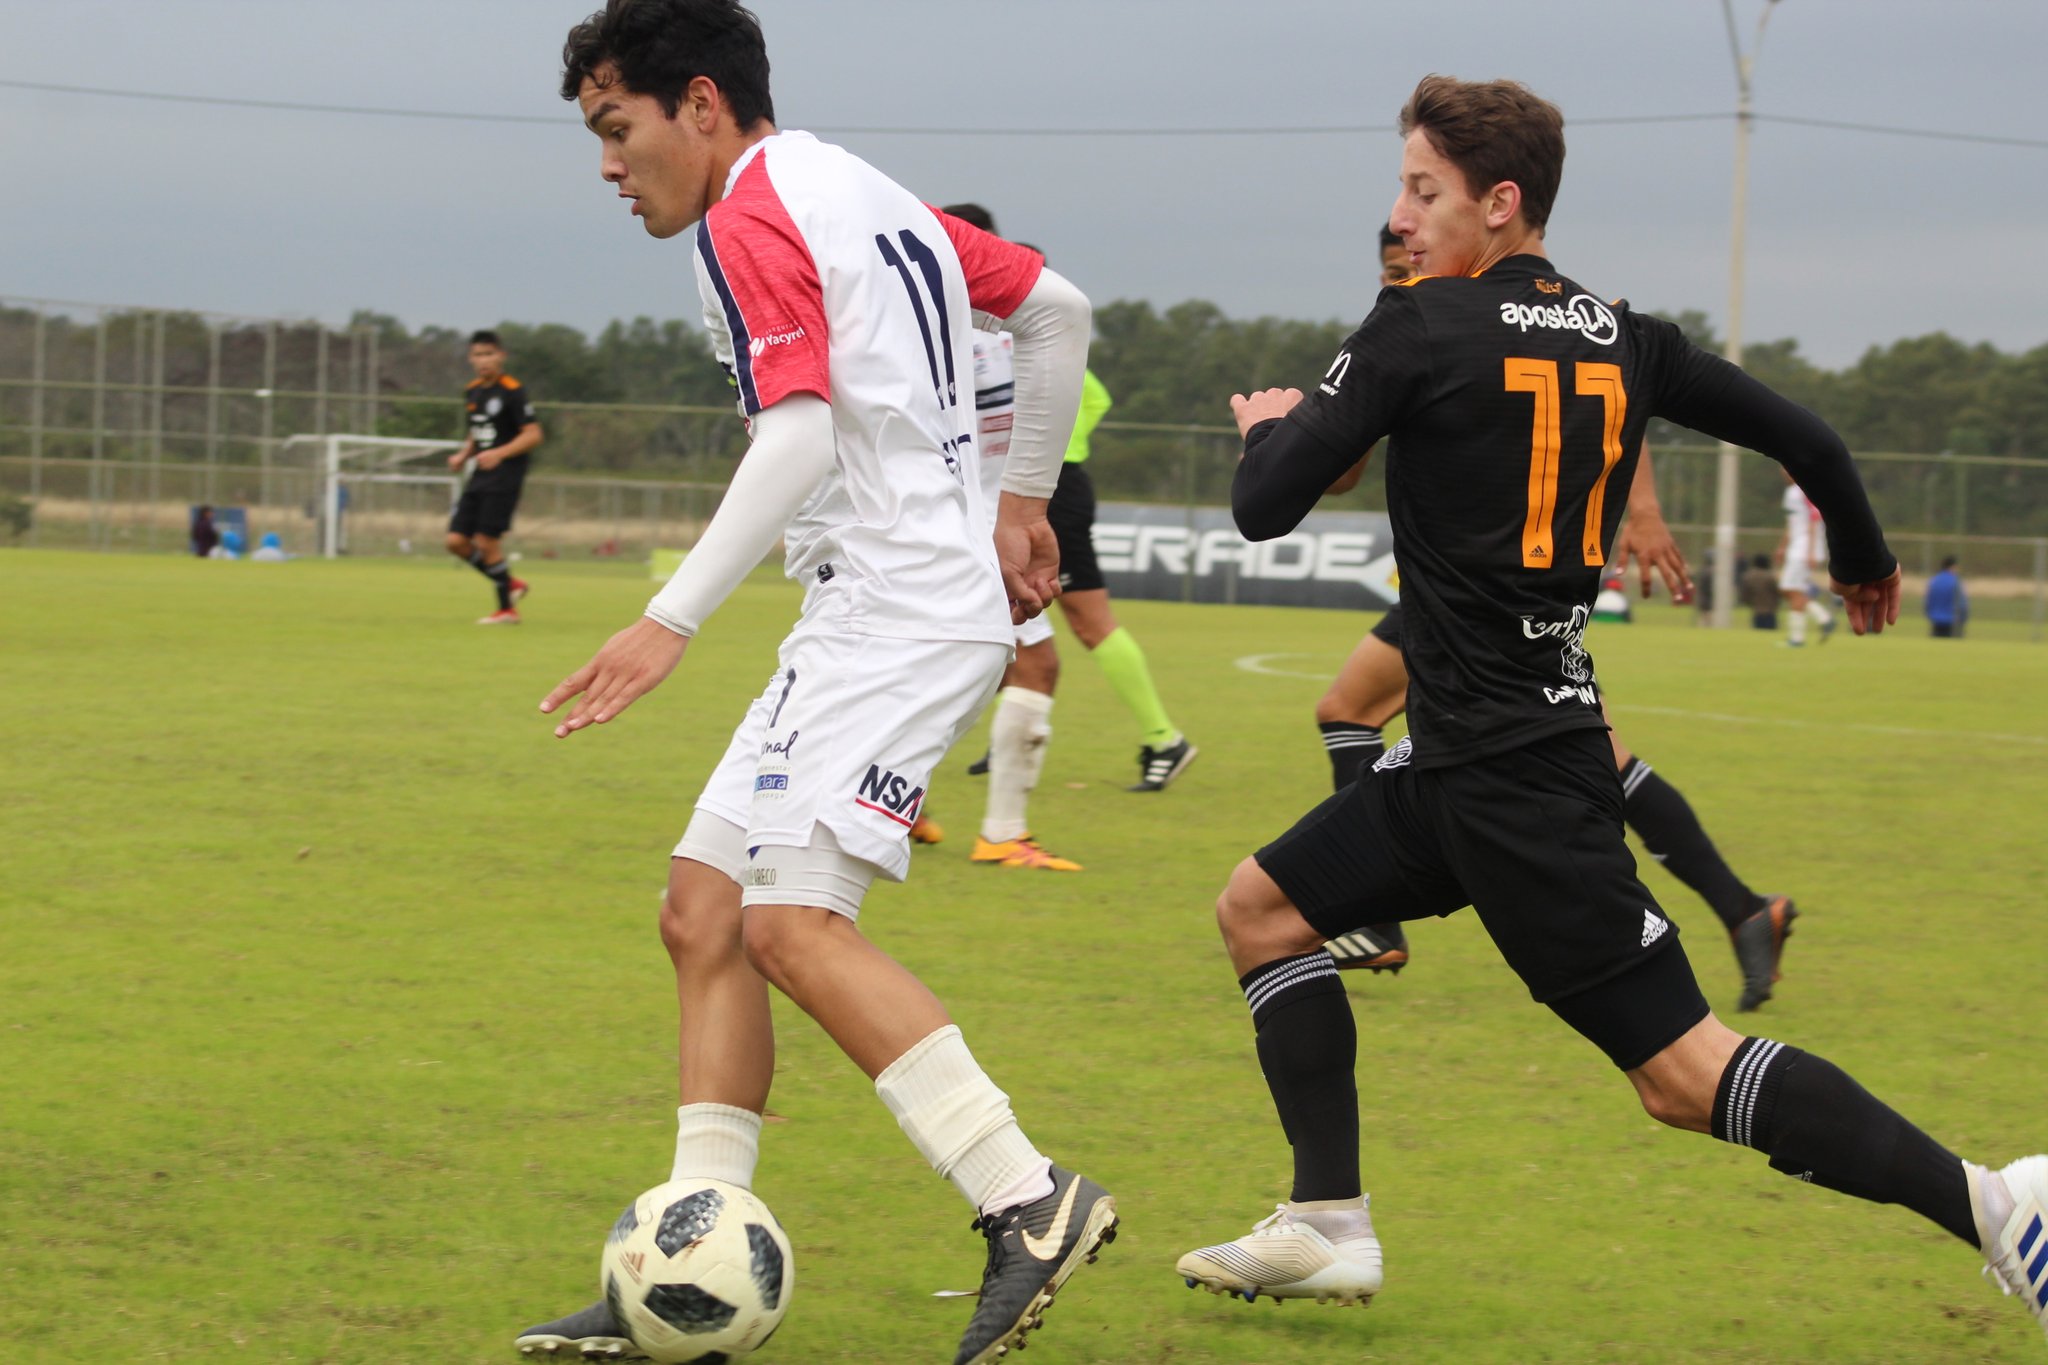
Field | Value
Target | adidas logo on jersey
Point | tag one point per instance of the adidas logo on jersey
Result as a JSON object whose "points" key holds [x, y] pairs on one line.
{"points": [[1653, 928]]}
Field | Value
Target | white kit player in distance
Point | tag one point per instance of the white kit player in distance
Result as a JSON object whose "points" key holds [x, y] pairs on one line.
{"points": [[1803, 562], [842, 306]]}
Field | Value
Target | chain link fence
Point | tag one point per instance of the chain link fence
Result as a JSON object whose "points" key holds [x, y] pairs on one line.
{"points": [[116, 422]]}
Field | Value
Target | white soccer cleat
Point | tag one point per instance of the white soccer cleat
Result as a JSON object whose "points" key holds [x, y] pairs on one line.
{"points": [[2017, 1250], [1283, 1257]]}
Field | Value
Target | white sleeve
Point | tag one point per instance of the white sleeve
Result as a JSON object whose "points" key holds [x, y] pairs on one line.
{"points": [[793, 451], [1050, 354]]}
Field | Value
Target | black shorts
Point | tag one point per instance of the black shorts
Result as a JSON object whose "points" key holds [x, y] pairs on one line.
{"points": [[1072, 514], [485, 511], [1532, 839], [1387, 629]]}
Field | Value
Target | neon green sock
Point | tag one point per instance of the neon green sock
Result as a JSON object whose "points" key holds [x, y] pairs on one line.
{"points": [[1123, 663]]}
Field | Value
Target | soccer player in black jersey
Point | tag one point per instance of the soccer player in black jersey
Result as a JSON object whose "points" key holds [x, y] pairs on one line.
{"points": [[1372, 688], [1513, 401], [502, 430]]}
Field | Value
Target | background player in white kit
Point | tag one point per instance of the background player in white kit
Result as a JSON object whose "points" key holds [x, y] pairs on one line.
{"points": [[1802, 562], [1020, 727], [841, 305]]}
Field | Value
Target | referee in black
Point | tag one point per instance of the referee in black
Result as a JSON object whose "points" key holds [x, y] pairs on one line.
{"points": [[1513, 401], [501, 434]]}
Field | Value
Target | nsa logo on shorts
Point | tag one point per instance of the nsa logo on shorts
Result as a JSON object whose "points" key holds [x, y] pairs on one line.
{"points": [[1653, 928], [884, 792]]}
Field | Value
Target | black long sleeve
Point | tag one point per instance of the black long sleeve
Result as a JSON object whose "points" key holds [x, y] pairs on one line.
{"points": [[1716, 398], [1285, 470]]}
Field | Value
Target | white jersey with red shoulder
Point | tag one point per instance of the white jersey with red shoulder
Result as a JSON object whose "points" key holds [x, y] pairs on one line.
{"points": [[995, 411], [821, 275]]}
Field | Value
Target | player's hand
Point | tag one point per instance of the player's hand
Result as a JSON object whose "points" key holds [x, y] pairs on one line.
{"points": [[455, 460], [1647, 539], [1262, 407], [490, 459], [1870, 607], [629, 666], [1029, 555]]}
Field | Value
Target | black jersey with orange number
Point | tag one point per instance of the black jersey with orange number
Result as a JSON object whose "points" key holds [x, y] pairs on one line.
{"points": [[497, 411], [1514, 403]]}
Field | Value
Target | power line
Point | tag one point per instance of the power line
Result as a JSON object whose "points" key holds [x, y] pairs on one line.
{"points": [[1301, 130]]}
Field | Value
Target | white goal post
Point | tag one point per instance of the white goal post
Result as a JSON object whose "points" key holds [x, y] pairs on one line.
{"points": [[340, 459]]}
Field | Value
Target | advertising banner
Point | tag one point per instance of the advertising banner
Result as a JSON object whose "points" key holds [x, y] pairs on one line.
{"points": [[1180, 554]]}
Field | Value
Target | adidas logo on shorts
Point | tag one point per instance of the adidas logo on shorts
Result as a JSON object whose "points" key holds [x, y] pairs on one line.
{"points": [[1653, 928]]}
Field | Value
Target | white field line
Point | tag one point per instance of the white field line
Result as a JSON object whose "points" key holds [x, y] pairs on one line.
{"points": [[1263, 663]]}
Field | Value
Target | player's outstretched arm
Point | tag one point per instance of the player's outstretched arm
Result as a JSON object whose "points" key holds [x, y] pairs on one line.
{"points": [[1709, 395], [792, 453], [1646, 538]]}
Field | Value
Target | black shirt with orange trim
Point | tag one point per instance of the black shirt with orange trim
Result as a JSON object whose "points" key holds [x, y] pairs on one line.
{"points": [[1514, 404], [497, 410]]}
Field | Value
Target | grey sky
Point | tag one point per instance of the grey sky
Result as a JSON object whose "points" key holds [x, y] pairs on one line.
{"points": [[1854, 238]]}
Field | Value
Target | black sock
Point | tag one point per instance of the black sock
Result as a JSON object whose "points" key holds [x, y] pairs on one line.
{"points": [[1308, 1048], [1353, 749], [500, 575], [1818, 1125], [1672, 834]]}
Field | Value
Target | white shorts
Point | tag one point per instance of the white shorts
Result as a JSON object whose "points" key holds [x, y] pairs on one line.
{"points": [[843, 740], [1036, 631], [1796, 576]]}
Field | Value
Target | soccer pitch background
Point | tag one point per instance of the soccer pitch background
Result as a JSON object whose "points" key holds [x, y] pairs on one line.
{"points": [[334, 1026]]}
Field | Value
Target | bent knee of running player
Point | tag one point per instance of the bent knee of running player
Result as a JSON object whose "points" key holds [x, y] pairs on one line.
{"points": [[1259, 923]]}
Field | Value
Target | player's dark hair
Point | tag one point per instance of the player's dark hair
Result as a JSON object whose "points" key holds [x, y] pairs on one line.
{"points": [[657, 47], [1493, 131], [486, 338], [1388, 237], [1948, 561], [975, 214]]}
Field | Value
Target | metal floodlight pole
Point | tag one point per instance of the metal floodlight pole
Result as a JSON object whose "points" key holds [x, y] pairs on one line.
{"points": [[1728, 481]]}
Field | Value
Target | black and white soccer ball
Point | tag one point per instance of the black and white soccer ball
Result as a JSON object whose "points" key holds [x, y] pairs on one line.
{"points": [[697, 1270]]}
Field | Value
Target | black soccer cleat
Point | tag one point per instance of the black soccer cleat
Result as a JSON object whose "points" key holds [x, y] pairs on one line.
{"points": [[1760, 947], [593, 1334], [1375, 948], [1157, 767], [1032, 1249], [979, 768]]}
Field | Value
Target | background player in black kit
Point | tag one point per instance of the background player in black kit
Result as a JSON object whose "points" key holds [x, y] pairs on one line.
{"points": [[1514, 403], [502, 429]]}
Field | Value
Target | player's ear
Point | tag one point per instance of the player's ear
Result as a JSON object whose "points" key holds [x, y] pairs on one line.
{"points": [[1503, 202], [702, 102]]}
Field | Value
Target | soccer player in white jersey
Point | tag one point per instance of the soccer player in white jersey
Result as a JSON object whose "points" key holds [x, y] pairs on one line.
{"points": [[1020, 728], [1802, 562], [842, 306]]}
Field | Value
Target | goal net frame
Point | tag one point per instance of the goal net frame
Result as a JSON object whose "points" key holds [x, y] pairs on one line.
{"points": [[340, 458]]}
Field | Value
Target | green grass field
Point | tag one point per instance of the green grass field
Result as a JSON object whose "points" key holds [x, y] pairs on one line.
{"points": [[334, 1027]]}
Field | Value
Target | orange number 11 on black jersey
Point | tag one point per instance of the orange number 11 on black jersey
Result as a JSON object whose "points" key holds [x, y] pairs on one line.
{"points": [[1538, 378]]}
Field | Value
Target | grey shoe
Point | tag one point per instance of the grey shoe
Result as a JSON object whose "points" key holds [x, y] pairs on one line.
{"points": [[1032, 1249], [1759, 947], [593, 1334]]}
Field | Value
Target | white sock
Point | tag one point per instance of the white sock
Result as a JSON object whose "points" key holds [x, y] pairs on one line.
{"points": [[1016, 754], [1340, 1220], [957, 1119], [717, 1142], [1994, 1203], [1798, 626], [1820, 615]]}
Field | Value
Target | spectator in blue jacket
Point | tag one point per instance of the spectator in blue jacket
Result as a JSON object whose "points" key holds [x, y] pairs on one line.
{"points": [[1948, 606]]}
